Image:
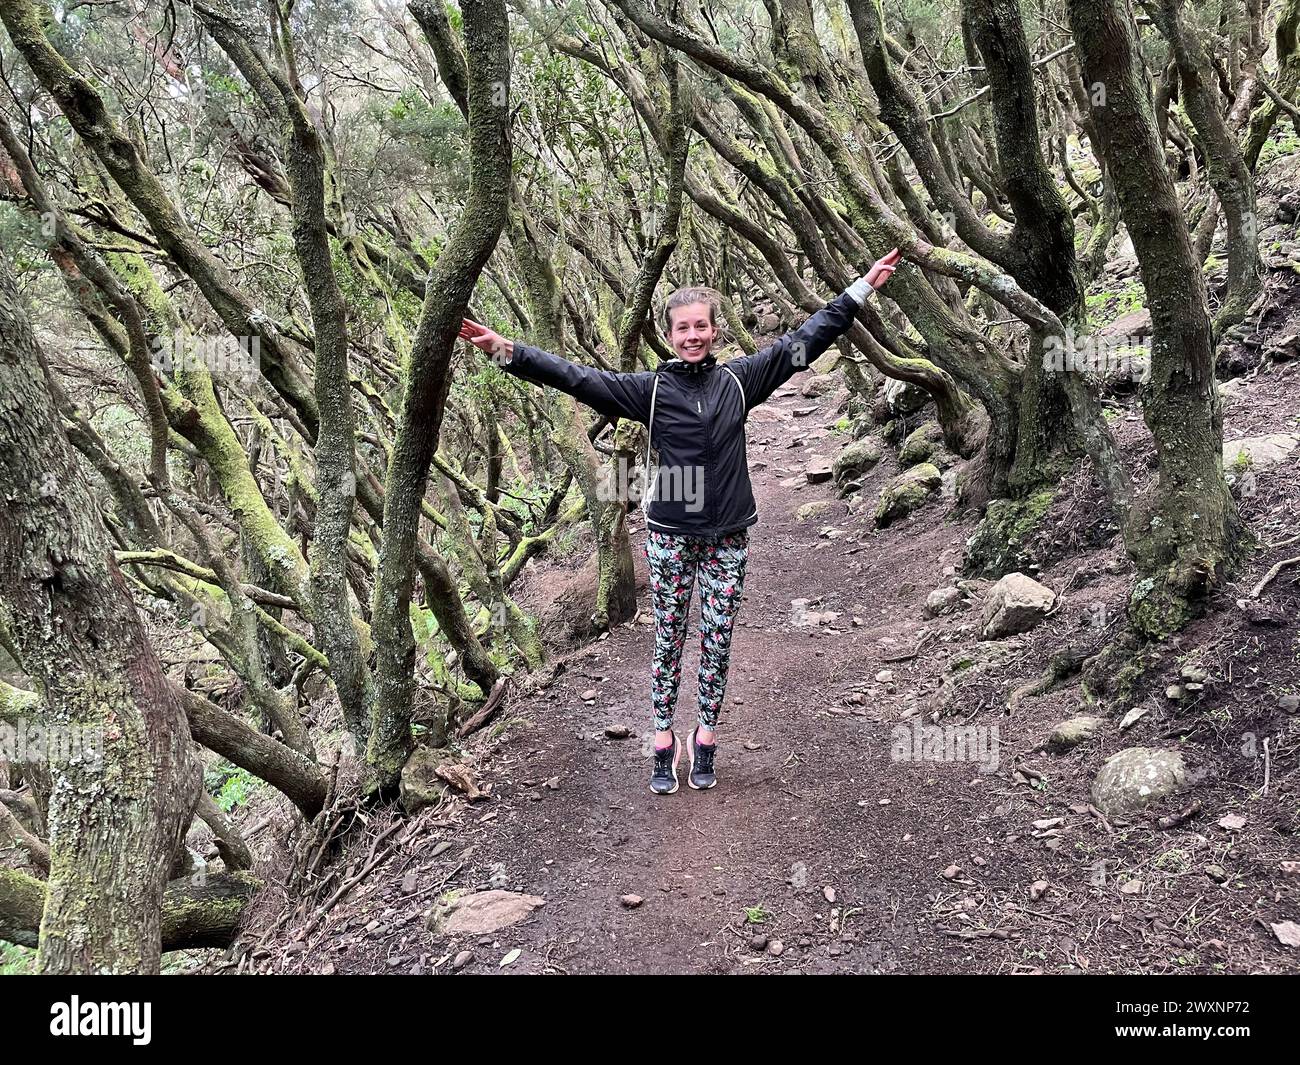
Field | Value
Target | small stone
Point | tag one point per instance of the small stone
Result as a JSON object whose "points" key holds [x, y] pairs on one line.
{"points": [[1216, 873], [942, 601], [1133, 717], [818, 471], [617, 732], [1289, 704], [1232, 822], [462, 959], [589, 695], [1175, 692], [885, 676], [1131, 887], [1038, 889], [1072, 732], [828, 893], [758, 942], [408, 884], [776, 948], [819, 510], [631, 902], [1288, 933], [952, 872]]}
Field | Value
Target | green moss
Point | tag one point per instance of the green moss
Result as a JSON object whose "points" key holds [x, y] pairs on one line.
{"points": [[921, 444], [1282, 143], [1156, 611], [1000, 542], [907, 492], [16, 961]]}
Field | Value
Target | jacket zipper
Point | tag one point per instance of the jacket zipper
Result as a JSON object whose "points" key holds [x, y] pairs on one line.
{"points": [[708, 449]]}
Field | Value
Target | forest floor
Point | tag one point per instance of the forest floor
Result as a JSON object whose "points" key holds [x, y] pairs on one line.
{"points": [[819, 834]]}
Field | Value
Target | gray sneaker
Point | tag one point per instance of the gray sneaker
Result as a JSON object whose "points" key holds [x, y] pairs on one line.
{"points": [[701, 776], [663, 778]]}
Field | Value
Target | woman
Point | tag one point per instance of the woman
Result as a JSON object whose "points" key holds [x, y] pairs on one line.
{"points": [[701, 505]]}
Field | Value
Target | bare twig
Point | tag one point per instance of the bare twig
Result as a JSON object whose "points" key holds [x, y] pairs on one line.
{"points": [[1268, 577]]}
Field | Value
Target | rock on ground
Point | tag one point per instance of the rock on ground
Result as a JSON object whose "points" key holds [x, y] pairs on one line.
{"points": [[1136, 777], [1015, 604], [482, 913]]}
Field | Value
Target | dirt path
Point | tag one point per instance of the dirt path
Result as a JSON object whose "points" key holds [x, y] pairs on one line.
{"points": [[858, 862]]}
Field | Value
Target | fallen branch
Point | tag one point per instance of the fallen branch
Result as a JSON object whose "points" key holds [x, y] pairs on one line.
{"points": [[485, 712], [1268, 577], [198, 911], [1185, 814], [926, 637]]}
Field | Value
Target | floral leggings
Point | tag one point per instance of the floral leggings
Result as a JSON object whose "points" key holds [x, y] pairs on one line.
{"points": [[674, 562]]}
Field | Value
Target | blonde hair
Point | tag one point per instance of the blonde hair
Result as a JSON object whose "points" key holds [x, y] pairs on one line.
{"points": [[684, 297]]}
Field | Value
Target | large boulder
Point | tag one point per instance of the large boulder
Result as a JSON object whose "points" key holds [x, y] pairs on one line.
{"points": [[1136, 777], [921, 444], [820, 385], [903, 397], [1004, 540], [1258, 452], [856, 459], [906, 492], [1015, 604]]}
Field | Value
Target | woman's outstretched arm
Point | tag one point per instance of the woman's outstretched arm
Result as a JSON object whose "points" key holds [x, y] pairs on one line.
{"points": [[765, 371], [616, 395]]}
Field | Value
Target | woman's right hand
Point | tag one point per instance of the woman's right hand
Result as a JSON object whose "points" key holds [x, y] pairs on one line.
{"points": [[883, 269], [500, 348]]}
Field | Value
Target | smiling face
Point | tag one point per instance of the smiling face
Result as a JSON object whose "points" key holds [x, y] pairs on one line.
{"points": [[692, 331]]}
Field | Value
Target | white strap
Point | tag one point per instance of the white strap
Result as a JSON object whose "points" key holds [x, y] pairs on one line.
{"points": [[744, 403], [650, 431]]}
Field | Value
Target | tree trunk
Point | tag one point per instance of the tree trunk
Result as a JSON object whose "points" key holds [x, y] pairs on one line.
{"points": [[1185, 530], [116, 819], [428, 378]]}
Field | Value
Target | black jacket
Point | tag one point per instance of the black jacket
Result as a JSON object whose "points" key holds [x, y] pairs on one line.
{"points": [[702, 488]]}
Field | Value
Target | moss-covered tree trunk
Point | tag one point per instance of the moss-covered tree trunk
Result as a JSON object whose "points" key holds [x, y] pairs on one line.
{"points": [[1184, 530], [336, 481], [1229, 175], [1287, 47], [116, 820], [428, 378]]}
